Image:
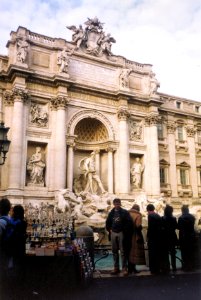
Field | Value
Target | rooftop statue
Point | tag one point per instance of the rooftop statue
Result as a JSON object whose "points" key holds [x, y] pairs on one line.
{"points": [[154, 84], [92, 39], [78, 35], [22, 49]]}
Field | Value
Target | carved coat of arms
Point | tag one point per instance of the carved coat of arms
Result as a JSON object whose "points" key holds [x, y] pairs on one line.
{"points": [[92, 39]]}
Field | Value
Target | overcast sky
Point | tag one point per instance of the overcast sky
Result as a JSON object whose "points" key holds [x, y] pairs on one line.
{"points": [[164, 33]]}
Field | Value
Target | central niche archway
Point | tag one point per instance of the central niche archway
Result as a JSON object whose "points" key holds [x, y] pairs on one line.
{"points": [[91, 130]]}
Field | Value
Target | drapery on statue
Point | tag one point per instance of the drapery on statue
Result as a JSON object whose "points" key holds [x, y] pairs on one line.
{"points": [[154, 84], [87, 165], [136, 173], [36, 167], [124, 77], [78, 35], [63, 59], [105, 42], [22, 49]]}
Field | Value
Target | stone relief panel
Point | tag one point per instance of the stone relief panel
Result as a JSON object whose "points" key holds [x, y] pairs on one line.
{"points": [[40, 59], [135, 130], [38, 115], [135, 82], [89, 73]]}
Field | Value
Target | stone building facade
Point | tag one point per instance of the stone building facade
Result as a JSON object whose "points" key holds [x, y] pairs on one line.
{"points": [[62, 100]]}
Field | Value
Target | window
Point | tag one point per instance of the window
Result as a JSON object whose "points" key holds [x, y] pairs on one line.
{"points": [[160, 130], [162, 175], [178, 104], [180, 133], [197, 108], [183, 177]]}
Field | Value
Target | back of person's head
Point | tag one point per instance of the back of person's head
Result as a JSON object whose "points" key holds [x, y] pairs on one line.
{"points": [[168, 211], [18, 212], [150, 207], [185, 209], [5, 207], [117, 201], [136, 207]]}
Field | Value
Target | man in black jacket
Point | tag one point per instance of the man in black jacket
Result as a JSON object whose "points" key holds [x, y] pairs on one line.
{"points": [[119, 225], [154, 239]]}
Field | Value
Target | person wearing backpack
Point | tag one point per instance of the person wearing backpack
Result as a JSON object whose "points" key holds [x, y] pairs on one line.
{"points": [[5, 207], [17, 239]]}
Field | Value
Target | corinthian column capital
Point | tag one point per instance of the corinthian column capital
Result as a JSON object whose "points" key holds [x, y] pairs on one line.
{"points": [[59, 102], [123, 113], [152, 120], [190, 131], [171, 127]]}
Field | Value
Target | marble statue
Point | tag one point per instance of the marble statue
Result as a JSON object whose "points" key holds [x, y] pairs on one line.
{"points": [[92, 39], [124, 77], [105, 43], [154, 84], [87, 165], [63, 59], [78, 35], [63, 204], [136, 173], [22, 49], [36, 167]]}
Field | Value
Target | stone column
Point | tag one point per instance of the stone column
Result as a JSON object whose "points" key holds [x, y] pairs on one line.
{"points": [[190, 130], [110, 170], [70, 165], [18, 96], [153, 155], [172, 156], [1, 104], [60, 142], [52, 146], [97, 158], [123, 152]]}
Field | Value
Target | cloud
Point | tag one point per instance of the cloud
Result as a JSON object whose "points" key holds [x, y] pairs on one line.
{"points": [[164, 33]]}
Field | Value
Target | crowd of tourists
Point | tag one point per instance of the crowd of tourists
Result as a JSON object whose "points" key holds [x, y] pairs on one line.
{"points": [[164, 236], [125, 233]]}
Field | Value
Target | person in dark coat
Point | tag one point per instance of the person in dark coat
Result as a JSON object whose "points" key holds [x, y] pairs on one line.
{"points": [[169, 239], [119, 225], [137, 254], [18, 242], [5, 207], [186, 224], [154, 239]]}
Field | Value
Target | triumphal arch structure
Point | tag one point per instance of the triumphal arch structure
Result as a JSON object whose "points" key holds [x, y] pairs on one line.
{"points": [[66, 101]]}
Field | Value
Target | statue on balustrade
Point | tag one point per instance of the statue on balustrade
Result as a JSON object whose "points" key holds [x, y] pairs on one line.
{"points": [[93, 182], [136, 174], [36, 167], [22, 49], [124, 77], [63, 59], [154, 84]]}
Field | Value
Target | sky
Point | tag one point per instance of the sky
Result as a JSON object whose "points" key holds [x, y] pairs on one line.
{"points": [[163, 33]]}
